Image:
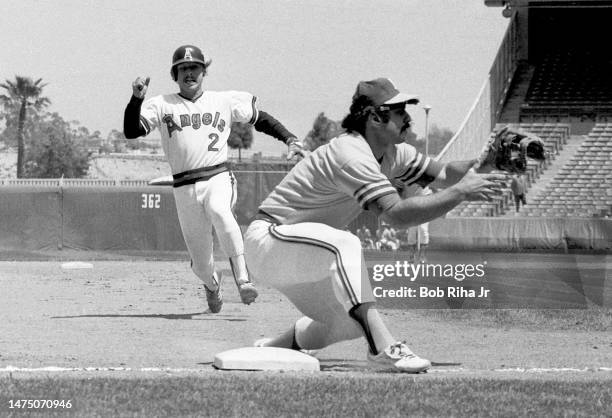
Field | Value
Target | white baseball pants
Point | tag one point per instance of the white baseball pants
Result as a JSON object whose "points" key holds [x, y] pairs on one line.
{"points": [[319, 268], [201, 207]]}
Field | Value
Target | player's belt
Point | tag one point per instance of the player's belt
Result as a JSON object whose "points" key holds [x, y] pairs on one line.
{"points": [[263, 216], [198, 174]]}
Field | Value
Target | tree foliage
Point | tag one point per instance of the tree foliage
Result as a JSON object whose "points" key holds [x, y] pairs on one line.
{"points": [[57, 157], [438, 138], [240, 137], [323, 130], [60, 149], [47, 145], [22, 94]]}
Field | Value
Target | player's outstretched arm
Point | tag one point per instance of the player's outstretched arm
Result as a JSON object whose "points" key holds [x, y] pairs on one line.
{"points": [[420, 209], [452, 172], [131, 117], [268, 125], [507, 151]]}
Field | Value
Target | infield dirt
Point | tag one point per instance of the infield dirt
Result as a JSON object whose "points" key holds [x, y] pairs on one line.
{"points": [[140, 314]]}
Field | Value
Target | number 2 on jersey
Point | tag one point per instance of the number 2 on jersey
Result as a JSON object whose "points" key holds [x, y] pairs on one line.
{"points": [[215, 139]]}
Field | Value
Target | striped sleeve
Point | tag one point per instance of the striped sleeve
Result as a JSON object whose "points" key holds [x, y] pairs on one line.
{"points": [[364, 181], [243, 106], [370, 192], [145, 125], [254, 110], [420, 170], [149, 114]]}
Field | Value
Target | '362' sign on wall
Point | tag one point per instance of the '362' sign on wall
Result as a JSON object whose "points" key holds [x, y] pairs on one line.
{"points": [[150, 200]]}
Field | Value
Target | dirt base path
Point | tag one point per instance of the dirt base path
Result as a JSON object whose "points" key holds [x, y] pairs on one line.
{"points": [[152, 314]]}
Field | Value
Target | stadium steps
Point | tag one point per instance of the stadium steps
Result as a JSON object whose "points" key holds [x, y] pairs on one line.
{"points": [[537, 190], [582, 186], [555, 136]]}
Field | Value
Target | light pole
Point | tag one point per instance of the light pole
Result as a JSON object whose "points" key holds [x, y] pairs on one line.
{"points": [[427, 109], [418, 227]]}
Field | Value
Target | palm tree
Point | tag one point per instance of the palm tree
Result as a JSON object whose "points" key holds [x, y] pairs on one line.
{"points": [[23, 93]]}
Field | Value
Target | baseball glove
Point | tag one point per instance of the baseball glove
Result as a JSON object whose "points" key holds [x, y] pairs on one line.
{"points": [[509, 149]]}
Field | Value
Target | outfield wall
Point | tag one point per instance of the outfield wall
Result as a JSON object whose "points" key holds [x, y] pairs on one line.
{"points": [[144, 219], [30, 218], [511, 234], [108, 218], [89, 218]]}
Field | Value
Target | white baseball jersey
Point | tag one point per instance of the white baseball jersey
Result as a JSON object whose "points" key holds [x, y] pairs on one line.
{"points": [[195, 132], [338, 180]]}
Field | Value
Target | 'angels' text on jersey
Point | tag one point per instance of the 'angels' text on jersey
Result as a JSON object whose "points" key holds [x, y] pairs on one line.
{"points": [[195, 120], [195, 132]]}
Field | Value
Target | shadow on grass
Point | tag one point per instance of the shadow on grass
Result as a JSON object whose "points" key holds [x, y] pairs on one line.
{"points": [[342, 365], [201, 316], [445, 364]]}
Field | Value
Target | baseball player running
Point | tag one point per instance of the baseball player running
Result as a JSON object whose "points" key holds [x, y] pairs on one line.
{"points": [[297, 242], [195, 125]]}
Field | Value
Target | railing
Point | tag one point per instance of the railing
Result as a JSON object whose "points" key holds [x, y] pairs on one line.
{"points": [[503, 68], [474, 132], [127, 156], [72, 182]]}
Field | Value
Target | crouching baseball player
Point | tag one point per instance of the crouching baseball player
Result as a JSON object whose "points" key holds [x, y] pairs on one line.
{"points": [[194, 126], [297, 242]]}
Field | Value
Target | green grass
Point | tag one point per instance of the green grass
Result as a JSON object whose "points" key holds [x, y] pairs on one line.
{"points": [[323, 394]]}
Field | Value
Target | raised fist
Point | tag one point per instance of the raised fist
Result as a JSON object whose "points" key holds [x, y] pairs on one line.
{"points": [[139, 87]]}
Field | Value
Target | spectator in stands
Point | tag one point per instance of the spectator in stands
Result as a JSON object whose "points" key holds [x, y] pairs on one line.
{"points": [[402, 234], [379, 233], [518, 184], [369, 239], [387, 238], [365, 236]]}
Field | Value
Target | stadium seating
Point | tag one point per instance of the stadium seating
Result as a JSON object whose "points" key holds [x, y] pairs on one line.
{"points": [[555, 136], [583, 186], [569, 86], [571, 77]]}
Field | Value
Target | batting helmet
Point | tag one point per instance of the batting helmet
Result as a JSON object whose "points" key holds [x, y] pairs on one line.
{"points": [[187, 53]]}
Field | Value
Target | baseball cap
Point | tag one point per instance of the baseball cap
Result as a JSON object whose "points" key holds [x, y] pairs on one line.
{"points": [[381, 91]]}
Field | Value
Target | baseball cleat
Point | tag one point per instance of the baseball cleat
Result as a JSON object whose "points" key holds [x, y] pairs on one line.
{"points": [[263, 342], [214, 297], [398, 356], [247, 291]]}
